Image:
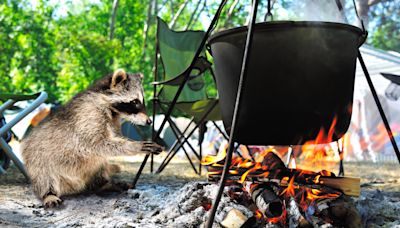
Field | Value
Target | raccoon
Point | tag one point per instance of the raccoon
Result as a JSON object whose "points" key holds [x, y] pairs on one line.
{"points": [[66, 154]]}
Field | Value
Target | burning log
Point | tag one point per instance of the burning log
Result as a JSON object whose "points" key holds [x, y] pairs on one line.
{"points": [[290, 197], [296, 219], [272, 169], [267, 201], [348, 185]]}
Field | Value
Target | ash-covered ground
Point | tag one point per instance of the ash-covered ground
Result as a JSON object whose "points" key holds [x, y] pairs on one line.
{"points": [[176, 198]]}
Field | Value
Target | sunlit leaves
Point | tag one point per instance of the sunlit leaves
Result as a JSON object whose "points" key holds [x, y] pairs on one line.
{"points": [[63, 46]]}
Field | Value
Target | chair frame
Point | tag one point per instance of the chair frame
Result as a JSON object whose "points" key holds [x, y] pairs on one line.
{"points": [[12, 99], [201, 64], [186, 77]]}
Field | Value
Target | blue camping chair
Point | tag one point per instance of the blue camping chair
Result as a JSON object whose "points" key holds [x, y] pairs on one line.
{"points": [[6, 152]]}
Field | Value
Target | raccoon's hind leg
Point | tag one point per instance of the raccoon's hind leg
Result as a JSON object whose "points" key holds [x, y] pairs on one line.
{"points": [[44, 187], [49, 196], [50, 188], [51, 200]]}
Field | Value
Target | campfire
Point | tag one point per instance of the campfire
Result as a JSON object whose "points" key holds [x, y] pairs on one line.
{"points": [[285, 196]]}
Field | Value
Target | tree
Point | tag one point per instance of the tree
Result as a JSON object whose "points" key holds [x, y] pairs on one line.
{"points": [[385, 29], [62, 53]]}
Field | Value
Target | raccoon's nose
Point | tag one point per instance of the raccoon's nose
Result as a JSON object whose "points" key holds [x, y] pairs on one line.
{"points": [[148, 121]]}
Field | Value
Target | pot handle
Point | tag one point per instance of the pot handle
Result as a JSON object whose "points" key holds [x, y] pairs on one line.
{"points": [[362, 38], [208, 48]]}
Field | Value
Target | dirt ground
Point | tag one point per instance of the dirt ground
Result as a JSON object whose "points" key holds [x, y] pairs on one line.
{"points": [[162, 201]]}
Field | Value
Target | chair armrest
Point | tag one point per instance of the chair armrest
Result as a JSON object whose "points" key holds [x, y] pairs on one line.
{"points": [[201, 64], [40, 98], [175, 81]]}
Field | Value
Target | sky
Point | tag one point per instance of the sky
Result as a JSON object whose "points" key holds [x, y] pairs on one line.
{"points": [[62, 10]]}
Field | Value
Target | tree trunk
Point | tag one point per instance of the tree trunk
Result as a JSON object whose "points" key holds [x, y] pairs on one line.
{"points": [[113, 16], [148, 23], [230, 14], [193, 14], [199, 13], [178, 13]]}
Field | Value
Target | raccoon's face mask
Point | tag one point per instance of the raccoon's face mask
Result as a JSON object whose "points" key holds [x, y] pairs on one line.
{"points": [[127, 97]]}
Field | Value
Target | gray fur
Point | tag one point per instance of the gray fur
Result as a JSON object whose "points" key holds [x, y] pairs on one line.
{"points": [[67, 152]]}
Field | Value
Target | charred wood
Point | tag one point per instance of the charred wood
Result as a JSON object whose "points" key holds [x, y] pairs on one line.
{"points": [[348, 185], [267, 201]]}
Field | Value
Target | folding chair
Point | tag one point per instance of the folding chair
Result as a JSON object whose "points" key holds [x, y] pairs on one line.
{"points": [[176, 51], [6, 152], [184, 79]]}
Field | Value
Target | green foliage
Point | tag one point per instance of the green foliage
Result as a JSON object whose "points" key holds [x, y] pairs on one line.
{"points": [[387, 37], [386, 21], [63, 54], [62, 48]]}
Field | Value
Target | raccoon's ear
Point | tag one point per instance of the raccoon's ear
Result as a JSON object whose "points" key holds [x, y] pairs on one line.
{"points": [[118, 77]]}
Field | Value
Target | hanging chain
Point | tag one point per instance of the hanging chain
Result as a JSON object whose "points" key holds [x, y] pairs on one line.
{"points": [[269, 14]]}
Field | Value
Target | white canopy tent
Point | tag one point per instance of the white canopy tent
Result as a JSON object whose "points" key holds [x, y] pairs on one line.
{"points": [[367, 138]]}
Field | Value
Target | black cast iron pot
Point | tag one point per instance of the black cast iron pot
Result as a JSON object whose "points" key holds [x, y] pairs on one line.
{"points": [[300, 77]]}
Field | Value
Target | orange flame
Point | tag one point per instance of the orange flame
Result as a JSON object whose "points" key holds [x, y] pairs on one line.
{"points": [[289, 191], [320, 153], [314, 155], [211, 160], [258, 214], [314, 194], [279, 219]]}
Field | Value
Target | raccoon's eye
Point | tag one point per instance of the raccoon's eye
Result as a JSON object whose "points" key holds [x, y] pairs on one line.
{"points": [[136, 101]]}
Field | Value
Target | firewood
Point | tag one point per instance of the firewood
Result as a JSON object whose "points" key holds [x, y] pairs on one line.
{"points": [[273, 162], [348, 185], [267, 201], [296, 219], [234, 219]]}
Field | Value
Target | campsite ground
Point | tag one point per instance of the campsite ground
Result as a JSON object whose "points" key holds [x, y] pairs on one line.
{"points": [[155, 202]]}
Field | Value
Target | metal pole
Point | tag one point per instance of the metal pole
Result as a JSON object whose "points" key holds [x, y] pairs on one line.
{"points": [[38, 101], [340, 148], [172, 148], [186, 78], [185, 139], [378, 104], [178, 134], [155, 95], [9, 153], [3, 144], [243, 74], [6, 105]]}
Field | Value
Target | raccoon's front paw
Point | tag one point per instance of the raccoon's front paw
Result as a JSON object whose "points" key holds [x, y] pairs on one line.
{"points": [[151, 148], [51, 201]]}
